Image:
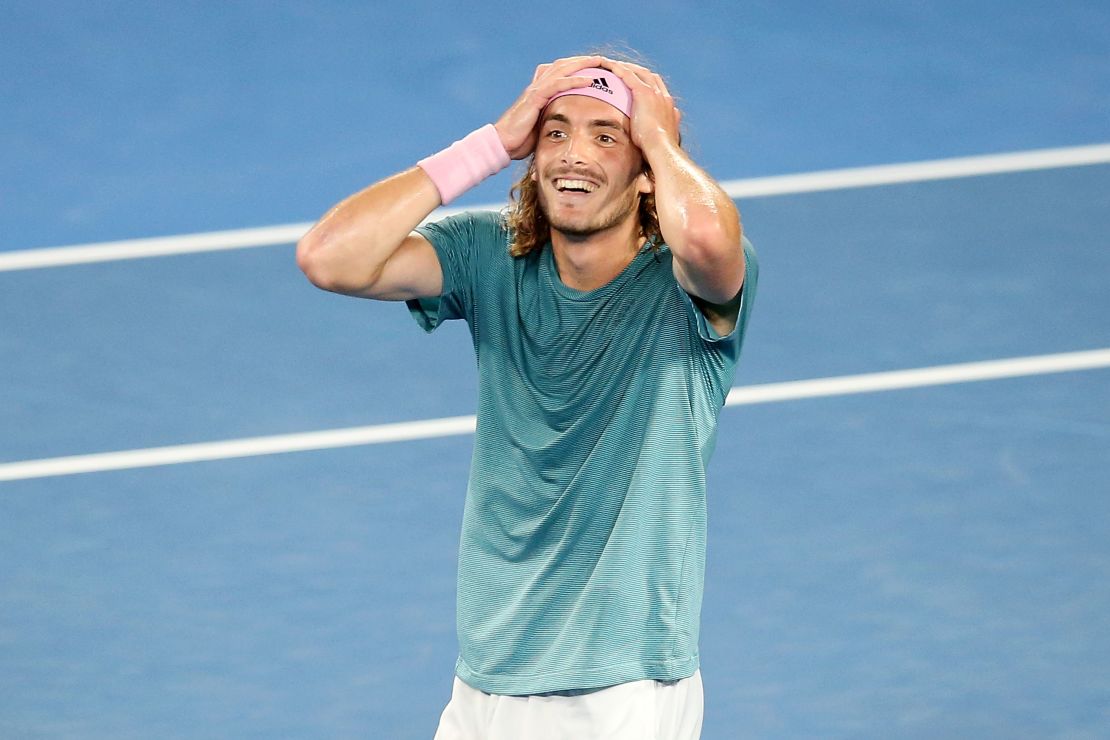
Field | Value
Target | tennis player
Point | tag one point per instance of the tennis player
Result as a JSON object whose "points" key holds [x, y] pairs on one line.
{"points": [[607, 307]]}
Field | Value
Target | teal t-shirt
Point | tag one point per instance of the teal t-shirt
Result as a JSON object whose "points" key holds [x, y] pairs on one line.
{"points": [[582, 550]]}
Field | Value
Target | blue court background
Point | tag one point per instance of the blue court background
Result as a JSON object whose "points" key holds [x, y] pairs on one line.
{"points": [[924, 563]]}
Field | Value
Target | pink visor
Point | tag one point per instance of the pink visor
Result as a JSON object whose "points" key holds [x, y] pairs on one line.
{"points": [[606, 86]]}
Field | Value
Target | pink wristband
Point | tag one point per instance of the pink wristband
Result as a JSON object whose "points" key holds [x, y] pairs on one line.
{"points": [[466, 163]]}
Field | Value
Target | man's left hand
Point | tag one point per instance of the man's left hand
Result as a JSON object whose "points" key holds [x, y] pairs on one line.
{"points": [[655, 118]]}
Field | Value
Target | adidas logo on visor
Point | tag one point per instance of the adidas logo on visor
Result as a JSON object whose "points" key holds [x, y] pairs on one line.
{"points": [[602, 84]]}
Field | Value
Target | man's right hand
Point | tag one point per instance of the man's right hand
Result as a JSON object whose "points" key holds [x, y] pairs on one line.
{"points": [[366, 246], [517, 125]]}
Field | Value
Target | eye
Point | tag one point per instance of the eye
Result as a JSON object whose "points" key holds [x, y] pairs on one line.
{"points": [[606, 139], [555, 134]]}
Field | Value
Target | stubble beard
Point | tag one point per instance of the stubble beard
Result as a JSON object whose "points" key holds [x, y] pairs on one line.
{"points": [[585, 225]]}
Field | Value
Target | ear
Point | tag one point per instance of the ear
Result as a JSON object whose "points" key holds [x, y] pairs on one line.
{"points": [[645, 181]]}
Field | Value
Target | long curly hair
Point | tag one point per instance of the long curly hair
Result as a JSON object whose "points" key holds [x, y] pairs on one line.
{"points": [[531, 230]]}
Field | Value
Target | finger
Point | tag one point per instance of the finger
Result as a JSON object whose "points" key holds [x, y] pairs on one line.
{"points": [[538, 94], [661, 85], [582, 58], [620, 70], [573, 64], [557, 85], [560, 67], [642, 73], [627, 74], [556, 73], [651, 79]]}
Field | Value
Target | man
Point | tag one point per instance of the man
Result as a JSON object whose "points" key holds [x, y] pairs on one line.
{"points": [[607, 309]]}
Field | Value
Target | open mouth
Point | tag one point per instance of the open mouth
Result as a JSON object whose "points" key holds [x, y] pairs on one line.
{"points": [[566, 185]]}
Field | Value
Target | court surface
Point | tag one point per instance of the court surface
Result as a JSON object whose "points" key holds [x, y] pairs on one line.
{"points": [[925, 561]]}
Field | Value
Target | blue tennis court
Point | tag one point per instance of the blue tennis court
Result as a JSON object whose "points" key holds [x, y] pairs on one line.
{"points": [[929, 561]]}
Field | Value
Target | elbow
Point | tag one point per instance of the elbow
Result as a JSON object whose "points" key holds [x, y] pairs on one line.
{"points": [[329, 266], [308, 259], [312, 259]]}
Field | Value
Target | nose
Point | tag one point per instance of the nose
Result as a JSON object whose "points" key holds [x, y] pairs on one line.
{"points": [[573, 148]]}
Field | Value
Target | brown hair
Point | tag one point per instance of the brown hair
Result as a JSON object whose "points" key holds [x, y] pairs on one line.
{"points": [[530, 229]]}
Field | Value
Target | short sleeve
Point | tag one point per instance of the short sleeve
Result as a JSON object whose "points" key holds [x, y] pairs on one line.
{"points": [[729, 343], [457, 240]]}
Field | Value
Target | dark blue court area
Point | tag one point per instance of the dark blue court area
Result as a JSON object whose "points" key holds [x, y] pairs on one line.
{"points": [[932, 562]]}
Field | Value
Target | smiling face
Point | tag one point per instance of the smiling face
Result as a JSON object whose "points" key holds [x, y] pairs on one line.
{"points": [[588, 172]]}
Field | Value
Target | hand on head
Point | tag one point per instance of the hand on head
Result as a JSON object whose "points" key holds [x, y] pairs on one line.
{"points": [[517, 125], [654, 119]]}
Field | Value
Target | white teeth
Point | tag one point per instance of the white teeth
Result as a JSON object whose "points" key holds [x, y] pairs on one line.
{"points": [[563, 184]]}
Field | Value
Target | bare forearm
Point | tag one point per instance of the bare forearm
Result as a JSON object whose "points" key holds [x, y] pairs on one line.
{"points": [[347, 249], [699, 222], [363, 245]]}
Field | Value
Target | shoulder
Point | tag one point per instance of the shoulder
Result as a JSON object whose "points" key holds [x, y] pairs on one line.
{"points": [[467, 226]]}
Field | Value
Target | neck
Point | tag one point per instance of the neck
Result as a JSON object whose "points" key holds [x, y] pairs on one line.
{"points": [[589, 262]]}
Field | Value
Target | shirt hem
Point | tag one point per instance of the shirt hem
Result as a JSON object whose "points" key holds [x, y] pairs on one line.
{"points": [[576, 680]]}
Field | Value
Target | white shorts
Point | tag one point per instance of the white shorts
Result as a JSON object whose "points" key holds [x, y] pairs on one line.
{"points": [[639, 710]]}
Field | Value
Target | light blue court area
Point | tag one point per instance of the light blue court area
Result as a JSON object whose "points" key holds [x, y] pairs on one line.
{"points": [[929, 562]]}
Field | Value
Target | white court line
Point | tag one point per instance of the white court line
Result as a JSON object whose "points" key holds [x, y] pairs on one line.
{"points": [[854, 177], [965, 372], [162, 246], [457, 425]]}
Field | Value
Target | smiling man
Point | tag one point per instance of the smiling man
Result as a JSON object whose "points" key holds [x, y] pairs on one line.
{"points": [[607, 307]]}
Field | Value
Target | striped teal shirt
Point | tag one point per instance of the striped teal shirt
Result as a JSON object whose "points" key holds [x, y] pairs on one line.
{"points": [[582, 550]]}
